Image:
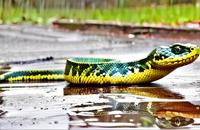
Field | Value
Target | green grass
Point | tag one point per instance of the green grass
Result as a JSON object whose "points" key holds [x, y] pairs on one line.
{"points": [[158, 15]]}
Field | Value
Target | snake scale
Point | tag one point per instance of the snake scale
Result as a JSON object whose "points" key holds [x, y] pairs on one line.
{"points": [[160, 62]]}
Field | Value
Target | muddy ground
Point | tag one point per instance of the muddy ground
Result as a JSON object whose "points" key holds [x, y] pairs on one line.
{"points": [[47, 105]]}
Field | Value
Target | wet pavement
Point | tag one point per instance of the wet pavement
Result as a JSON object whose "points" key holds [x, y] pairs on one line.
{"points": [[61, 105]]}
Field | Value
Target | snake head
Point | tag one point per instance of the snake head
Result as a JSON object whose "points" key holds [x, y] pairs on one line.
{"points": [[174, 122], [174, 56]]}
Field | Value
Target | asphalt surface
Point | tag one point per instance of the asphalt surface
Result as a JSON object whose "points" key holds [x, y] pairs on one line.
{"points": [[45, 105]]}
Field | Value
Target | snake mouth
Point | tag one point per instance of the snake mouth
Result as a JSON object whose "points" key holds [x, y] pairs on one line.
{"points": [[185, 60]]}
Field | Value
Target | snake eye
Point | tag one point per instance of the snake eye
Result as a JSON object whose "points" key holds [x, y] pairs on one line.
{"points": [[177, 50], [177, 122]]}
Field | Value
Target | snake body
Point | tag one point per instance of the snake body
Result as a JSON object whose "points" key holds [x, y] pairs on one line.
{"points": [[160, 62]]}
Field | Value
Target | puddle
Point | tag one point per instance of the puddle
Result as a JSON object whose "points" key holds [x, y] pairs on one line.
{"points": [[127, 111], [66, 106], [144, 106]]}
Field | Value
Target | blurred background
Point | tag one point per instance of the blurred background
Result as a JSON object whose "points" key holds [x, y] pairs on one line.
{"points": [[42, 34], [170, 12]]}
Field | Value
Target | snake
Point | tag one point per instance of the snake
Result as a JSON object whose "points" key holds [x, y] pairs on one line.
{"points": [[80, 70]]}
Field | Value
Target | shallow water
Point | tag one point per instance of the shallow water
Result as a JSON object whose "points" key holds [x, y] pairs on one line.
{"points": [[47, 105]]}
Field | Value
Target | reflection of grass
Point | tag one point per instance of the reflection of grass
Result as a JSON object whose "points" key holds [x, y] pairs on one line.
{"points": [[160, 14]]}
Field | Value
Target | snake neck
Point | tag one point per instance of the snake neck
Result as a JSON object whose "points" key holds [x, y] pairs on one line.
{"points": [[148, 64], [148, 71]]}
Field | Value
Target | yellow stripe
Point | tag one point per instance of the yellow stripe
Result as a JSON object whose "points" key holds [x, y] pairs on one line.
{"points": [[37, 77]]}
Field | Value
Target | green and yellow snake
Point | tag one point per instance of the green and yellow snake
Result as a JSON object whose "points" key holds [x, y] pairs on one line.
{"points": [[160, 62]]}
